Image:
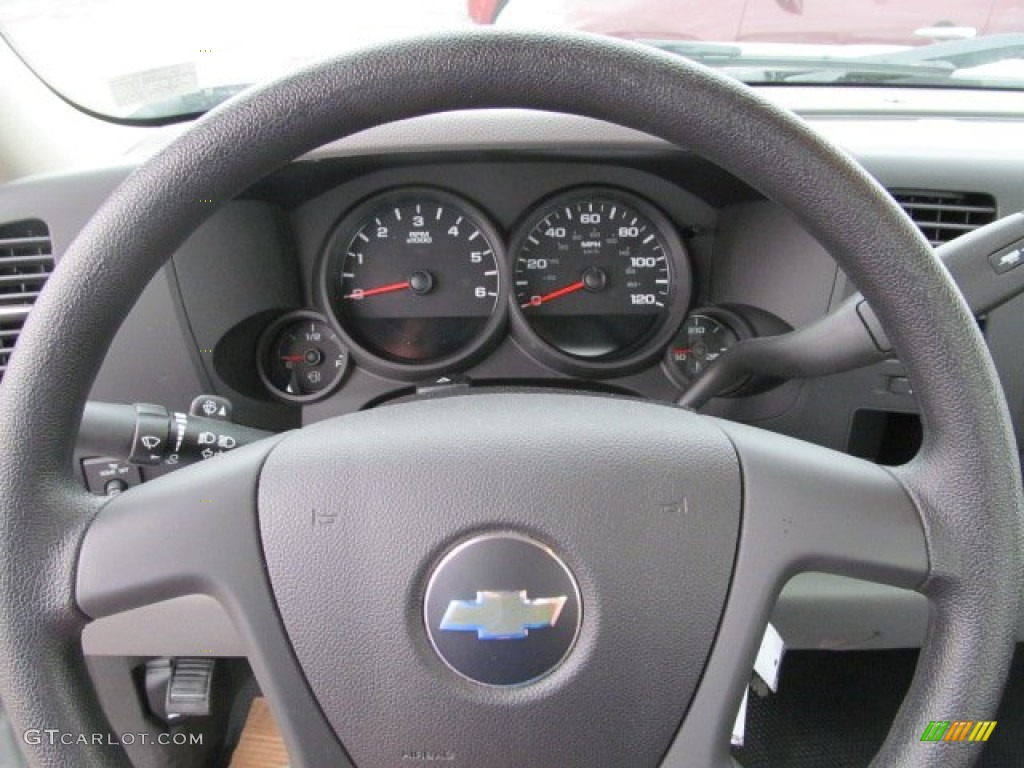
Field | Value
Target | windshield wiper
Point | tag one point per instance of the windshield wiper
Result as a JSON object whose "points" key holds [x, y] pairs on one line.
{"points": [[951, 56], [770, 68], [959, 54], [711, 54], [855, 70], [924, 64]]}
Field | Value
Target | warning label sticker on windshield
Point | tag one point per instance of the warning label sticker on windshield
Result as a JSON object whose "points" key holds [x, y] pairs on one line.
{"points": [[156, 84]]}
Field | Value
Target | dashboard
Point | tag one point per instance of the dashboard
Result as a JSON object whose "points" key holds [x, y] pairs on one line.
{"points": [[516, 249]]}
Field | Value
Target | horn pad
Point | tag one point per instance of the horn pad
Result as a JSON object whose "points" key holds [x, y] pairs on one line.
{"points": [[397, 539], [502, 610]]}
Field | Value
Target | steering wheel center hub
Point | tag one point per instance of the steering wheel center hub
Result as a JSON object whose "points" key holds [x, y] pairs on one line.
{"points": [[502, 610]]}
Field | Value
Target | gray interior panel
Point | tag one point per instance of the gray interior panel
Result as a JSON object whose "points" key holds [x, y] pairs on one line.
{"points": [[185, 626]]}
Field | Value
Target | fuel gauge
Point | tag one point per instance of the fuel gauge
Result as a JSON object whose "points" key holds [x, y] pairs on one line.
{"points": [[301, 358]]}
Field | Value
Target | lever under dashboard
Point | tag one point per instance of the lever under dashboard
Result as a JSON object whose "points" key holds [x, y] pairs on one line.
{"points": [[149, 435], [985, 264]]}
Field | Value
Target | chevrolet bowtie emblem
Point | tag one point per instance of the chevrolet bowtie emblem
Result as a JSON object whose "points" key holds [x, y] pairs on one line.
{"points": [[502, 615]]}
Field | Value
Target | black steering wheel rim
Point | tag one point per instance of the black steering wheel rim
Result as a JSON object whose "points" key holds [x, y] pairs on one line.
{"points": [[966, 480]]}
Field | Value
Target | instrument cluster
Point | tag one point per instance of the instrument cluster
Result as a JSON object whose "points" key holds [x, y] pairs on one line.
{"points": [[417, 282]]}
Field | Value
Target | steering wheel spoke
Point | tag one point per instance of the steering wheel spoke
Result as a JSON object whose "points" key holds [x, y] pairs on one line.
{"points": [[805, 508], [192, 532], [808, 508]]}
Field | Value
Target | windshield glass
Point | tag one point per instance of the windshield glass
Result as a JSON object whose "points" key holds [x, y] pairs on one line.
{"points": [[152, 62]]}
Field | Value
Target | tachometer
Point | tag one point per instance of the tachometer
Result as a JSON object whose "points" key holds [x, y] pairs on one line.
{"points": [[600, 280], [414, 281]]}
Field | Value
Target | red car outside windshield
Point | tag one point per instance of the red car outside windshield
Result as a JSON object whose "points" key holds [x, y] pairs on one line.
{"points": [[827, 22]]}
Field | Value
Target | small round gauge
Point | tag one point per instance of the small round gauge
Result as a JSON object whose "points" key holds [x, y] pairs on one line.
{"points": [[301, 357], [413, 278], [600, 280], [705, 335], [702, 341]]}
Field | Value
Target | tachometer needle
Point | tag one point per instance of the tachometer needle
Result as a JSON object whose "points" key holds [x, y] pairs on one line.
{"points": [[359, 293], [536, 301], [293, 358]]}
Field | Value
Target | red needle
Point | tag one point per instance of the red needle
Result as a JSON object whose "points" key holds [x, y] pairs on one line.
{"points": [[359, 293], [536, 301], [293, 358]]}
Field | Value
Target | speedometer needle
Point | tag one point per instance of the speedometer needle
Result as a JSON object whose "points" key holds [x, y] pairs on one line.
{"points": [[536, 301], [359, 293]]}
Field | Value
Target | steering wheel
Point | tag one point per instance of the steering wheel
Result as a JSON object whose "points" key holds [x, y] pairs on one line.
{"points": [[420, 583]]}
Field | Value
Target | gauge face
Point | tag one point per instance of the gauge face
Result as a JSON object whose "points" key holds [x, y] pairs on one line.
{"points": [[413, 279], [302, 357], [701, 341], [596, 273]]}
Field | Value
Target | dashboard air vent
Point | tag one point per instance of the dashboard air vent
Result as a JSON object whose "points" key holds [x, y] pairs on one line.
{"points": [[944, 216], [26, 260]]}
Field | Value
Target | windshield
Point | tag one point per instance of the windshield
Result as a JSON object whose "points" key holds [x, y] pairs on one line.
{"points": [[154, 62]]}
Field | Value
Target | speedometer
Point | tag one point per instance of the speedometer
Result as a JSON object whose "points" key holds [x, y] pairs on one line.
{"points": [[600, 282], [414, 280]]}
